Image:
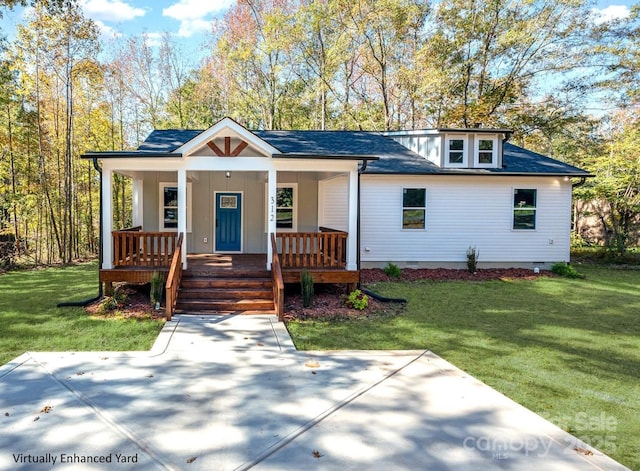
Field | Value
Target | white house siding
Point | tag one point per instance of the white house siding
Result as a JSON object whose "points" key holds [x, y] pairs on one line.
{"points": [[464, 211], [333, 201], [428, 146]]}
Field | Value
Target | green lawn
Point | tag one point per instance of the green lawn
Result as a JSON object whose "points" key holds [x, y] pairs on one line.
{"points": [[566, 349], [30, 320]]}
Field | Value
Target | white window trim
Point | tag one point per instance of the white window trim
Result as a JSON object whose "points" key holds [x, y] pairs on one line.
{"points": [[513, 209], [465, 150], [403, 207], [162, 186], [476, 151], [295, 206]]}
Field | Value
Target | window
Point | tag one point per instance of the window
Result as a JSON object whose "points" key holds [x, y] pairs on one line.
{"points": [[524, 209], [486, 151], [169, 207], [287, 207], [414, 208], [456, 151]]}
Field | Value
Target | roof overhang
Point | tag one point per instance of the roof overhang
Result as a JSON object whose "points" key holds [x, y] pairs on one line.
{"points": [[476, 130], [479, 173], [130, 154], [326, 157]]}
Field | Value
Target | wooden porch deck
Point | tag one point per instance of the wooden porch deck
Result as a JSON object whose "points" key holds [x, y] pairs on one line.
{"points": [[221, 281], [236, 264]]}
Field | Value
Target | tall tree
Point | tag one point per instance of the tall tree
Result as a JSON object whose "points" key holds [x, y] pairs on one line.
{"points": [[480, 58]]}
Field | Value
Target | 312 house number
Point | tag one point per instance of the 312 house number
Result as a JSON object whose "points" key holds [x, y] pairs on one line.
{"points": [[272, 210]]}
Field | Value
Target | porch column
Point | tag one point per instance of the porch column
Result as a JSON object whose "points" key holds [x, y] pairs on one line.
{"points": [[138, 186], [352, 240], [182, 212], [107, 218], [271, 212]]}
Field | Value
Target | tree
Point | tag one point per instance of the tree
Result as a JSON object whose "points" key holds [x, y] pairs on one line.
{"points": [[481, 58], [618, 49], [62, 46], [615, 190]]}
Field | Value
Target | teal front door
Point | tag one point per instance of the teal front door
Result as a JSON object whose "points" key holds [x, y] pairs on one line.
{"points": [[228, 222]]}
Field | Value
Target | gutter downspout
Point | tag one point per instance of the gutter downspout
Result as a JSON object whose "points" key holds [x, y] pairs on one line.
{"points": [[358, 261], [582, 181], [90, 300]]}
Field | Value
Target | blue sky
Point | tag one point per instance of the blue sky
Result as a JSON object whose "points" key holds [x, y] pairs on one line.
{"points": [[190, 20]]}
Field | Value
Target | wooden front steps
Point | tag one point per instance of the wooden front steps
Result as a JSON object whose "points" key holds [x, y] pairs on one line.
{"points": [[222, 292]]}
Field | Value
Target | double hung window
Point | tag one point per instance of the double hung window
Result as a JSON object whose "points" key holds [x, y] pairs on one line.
{"points": [[524, 208], [414, 208]]}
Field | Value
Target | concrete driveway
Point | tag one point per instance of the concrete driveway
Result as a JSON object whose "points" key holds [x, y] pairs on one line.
{"points": [[232, 393]]}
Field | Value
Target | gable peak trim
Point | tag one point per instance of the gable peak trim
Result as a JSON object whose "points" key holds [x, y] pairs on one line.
{"points": [[227, 127], [227, 152]]}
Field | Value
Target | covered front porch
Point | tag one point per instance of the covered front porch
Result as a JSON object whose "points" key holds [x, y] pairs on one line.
{"points": [[138, 254], [227, 190]]}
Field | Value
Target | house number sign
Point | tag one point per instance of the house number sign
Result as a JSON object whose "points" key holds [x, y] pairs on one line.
{"points": [[272, 209]]}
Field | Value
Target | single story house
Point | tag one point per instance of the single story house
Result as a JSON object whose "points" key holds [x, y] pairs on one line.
{"points": [[333, 202]]}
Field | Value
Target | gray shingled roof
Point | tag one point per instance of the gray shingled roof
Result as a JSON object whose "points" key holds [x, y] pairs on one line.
{"points": [[167, 140], [394, 158]]}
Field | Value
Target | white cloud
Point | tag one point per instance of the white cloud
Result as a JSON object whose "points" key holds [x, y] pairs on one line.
{"points": [[107, 32], [195, 16], [154, 39], [190, 27], [610, 13], [110, 10], [195, 9]]}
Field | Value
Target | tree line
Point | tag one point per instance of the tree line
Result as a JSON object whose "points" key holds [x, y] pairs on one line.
{"points": [[535, 66]]}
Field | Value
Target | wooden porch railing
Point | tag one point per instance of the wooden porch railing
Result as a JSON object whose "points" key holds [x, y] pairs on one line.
{"points": [[278, 283], [326, 249], [173, 280], [133, 248]]}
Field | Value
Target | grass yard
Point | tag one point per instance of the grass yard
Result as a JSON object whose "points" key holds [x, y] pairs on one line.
{"points": [[568, 349], [30, 320]]}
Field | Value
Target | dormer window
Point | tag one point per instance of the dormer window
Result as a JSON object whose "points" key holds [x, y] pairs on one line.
{"points": [[486, 151], [456, 151]]}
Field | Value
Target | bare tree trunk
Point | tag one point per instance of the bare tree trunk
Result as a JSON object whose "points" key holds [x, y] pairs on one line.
{"points": [[13, 182]]}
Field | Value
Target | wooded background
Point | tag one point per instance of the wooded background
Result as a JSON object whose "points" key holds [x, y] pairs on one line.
{"points": [[565, 81]]}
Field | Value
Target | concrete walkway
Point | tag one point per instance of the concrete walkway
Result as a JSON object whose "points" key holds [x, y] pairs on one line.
{"points": [[232, 393]]}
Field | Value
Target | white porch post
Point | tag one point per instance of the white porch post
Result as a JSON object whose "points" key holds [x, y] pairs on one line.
{"points": [[182, 212], [271, 212], [107, 218], [352, 241], [138, 215]]}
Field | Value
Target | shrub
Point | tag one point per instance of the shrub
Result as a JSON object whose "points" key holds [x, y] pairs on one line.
{"points": [[306, 285], [472, 259], [392, 271], [566, 270], [112, 303], [157, 287], [357, 300]]}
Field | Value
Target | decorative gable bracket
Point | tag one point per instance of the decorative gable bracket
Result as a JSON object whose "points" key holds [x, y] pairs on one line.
{"points": [[227, 152]]}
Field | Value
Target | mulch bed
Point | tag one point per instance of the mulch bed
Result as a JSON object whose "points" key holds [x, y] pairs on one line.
{"points": [[376, 275], [329, 300], [137, 304]]}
